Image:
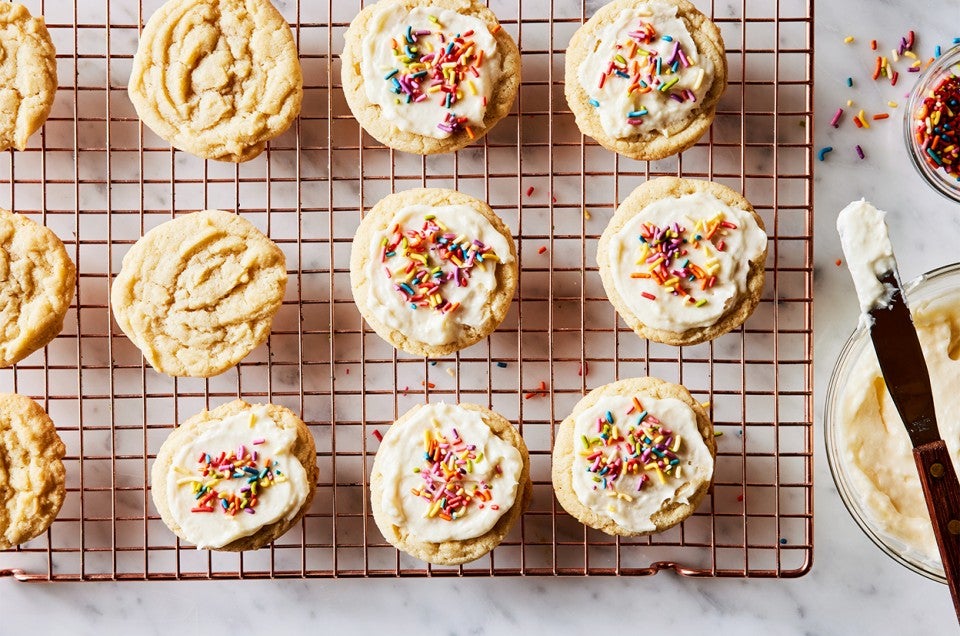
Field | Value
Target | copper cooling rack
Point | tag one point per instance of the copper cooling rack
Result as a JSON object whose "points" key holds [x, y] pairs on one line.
{"points": [[99, 179]]}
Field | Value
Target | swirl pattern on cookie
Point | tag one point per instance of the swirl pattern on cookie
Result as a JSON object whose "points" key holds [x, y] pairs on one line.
{"points": [[37, 280], [645, 73], [235, 477], [32, 475], [28, 75], [198, 293], [217, 78], [446, 476], [633, 454], [431, 70], [682, 263]]}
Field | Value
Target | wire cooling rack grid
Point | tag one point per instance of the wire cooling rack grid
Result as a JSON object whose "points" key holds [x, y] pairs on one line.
{"points": [[100, 179]]}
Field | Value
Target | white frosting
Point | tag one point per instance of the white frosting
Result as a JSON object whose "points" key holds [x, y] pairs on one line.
{"points": [[281, 500], [402, 451], [388, 25], [866, 246], [874, 447], [730, 266], [615, 97], [426, 324], [628, 506]]}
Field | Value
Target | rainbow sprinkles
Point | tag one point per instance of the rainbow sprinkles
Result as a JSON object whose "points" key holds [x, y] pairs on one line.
{"points": [[645, 73], [435, 70], [446, 469], [430, 258], [680, 263], [241, 466], [634, 443], [664, 256], [439, 66]]}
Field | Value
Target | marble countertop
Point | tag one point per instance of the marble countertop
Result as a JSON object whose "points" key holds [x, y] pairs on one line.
{"points": [[852, 588]]}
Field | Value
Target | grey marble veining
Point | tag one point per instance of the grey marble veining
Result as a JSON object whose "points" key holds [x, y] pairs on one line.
{"points": [[852, 589]]}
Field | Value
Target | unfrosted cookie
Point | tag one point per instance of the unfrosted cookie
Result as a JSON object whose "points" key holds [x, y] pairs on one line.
{"points": [[429, 76], [433, 271], [643, 77], [237, 477], [32, 476], [634, 457], [28, 75], [449, 481], [682, 260], [217, 78], [198, 293], [37, 281]]}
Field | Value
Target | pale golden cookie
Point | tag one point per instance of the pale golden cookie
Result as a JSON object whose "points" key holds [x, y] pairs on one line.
{"points": [[456, 552], [653, 144], [28, 75], [369, 114], [673, 187], [32, 476], [198, 293], [304, 449], [37, 281], [378, 220], [671, 512], [217, 78]]}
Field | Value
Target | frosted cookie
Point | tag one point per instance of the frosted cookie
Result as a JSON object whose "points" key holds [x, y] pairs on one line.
{"points": [[28, 75], [198, 293], [217, 78], [682, 260], [32, 476], [37, 281], [429, 76], [643, 77], [235, 478], [635, 457], [449, 481], [433, 271]]}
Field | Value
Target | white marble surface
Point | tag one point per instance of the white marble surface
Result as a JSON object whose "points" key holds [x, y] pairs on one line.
{"points": [[853, 588]]}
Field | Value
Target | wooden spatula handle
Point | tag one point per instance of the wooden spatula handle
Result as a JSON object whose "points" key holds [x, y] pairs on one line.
{"points": [[942, 492]]}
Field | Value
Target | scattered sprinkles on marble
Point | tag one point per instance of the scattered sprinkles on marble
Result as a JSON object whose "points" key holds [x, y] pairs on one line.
{"points": [[448, 463], [434, 64], [884, 68], [434, 256], [241, 465], [633, 443]]}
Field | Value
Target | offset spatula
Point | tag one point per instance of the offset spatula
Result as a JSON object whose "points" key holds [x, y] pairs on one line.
{"points": [[905, 373]]}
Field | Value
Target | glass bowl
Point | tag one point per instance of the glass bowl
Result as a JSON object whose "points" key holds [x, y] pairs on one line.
{"points": [[939, 283], [939, 180]]}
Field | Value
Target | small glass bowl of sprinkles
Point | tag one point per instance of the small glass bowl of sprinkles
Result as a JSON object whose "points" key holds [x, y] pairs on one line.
{"points": [[931, 124]]}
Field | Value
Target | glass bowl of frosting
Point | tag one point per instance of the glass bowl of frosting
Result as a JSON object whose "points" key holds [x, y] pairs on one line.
{"points": [[868, 449], [931, 124]]}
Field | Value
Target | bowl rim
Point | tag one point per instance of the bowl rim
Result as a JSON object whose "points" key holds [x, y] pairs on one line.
{"points": [[850, 351], [947, 187]]}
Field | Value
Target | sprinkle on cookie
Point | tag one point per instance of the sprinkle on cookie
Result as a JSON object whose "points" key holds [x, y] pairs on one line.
{"points": [[663, 256], [633, 443], [448, 462], [432, 64], [431, 257], [244, 464], [641, 69]]}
